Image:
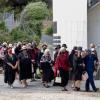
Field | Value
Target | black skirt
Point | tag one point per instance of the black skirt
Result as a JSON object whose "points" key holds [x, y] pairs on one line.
{"points": [[78, 73], [9, 75], [25, 69]]}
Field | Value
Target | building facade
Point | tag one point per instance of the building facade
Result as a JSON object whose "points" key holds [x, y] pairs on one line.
{"points": [[71, 19], [77, 22]]}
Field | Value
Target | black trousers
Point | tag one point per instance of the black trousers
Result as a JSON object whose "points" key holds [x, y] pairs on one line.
{"points": [[64, 77], [35, 66]]}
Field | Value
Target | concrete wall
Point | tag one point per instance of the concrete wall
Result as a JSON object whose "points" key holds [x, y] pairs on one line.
{"points": [[94, 26], [71, 17]]}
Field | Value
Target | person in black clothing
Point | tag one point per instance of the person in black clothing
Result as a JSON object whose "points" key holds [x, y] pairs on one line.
{"points": [[11, 64], [72, 60], [46, 62], [80, 67], [18, 49], [25, 66]]}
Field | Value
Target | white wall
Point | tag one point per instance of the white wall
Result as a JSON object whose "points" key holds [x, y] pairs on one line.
{"points": [[71, 17]]}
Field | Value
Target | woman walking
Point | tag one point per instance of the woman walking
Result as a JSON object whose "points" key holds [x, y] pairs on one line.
{"points": [[47, 68], [80, 67], [63, 66], [11, 64], [90, 60], [25, 68]]}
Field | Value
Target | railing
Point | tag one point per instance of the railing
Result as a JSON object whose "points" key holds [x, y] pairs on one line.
{"points": [[92, 3]]}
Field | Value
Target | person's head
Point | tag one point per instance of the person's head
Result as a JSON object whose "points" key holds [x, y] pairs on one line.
{"points": [[44, 46], [4, 44], [19, 44], [88, 52], [28, 46], [79, 48], [76, 53], [62, 50], [34, 44], [92, 45], [10, 46], [47, 52], [75, 48], [9, 51], [64, 45], [83, 54], [58, 47], [24, 48]]}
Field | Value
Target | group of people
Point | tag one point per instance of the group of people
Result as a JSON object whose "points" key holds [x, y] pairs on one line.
{"points": [[77, 65], [23, 59]]}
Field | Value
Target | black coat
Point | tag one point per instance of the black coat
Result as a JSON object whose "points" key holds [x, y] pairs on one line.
{"points": [[9, 73]]}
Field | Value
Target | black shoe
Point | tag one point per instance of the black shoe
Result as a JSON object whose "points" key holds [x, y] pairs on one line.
{"points": [[56, 84], [78, 89], [97, 89], [46, 86], [64, 90]]}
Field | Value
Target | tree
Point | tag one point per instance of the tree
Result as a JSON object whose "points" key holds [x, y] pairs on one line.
{"points": [[18, 35], [32, 17]]}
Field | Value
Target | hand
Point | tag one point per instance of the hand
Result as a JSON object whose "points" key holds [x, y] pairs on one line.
{"points": [[33, 61], [13, 67], [83, 65], [58, 72], [70, 69]]}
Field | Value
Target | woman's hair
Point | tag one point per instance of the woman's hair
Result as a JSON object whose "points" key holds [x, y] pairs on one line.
{"points": [[46, 51], [62, 49]]}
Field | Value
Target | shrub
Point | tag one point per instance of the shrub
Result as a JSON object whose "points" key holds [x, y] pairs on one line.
{"points": [[48, 31], [32, 16], [2, 27], [18, 35]]}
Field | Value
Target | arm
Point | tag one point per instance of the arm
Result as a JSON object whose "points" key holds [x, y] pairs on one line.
{"points": [[10, 65], [17, 62]]}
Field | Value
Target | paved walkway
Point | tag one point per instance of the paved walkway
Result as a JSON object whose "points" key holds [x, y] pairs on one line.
{"points": [[35, 91]]}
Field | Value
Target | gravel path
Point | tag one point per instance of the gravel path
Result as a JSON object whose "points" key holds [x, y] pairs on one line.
{"points": [[35, 91]]}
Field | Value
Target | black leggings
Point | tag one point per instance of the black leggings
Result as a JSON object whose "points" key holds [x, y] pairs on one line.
{"points": [[64, 77]]}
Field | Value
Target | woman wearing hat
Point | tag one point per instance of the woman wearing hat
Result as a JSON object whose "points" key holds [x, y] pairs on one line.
{"points": [[25, 69], [11, 64]]}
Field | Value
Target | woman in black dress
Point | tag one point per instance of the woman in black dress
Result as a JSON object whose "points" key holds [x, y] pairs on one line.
{"points": [[25, 68], [11, 64], [46, 62], [80, 66]]}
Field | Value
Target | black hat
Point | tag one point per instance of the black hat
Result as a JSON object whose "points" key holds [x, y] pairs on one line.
{"points": [[58, 47], [64, 45], [75, 48], [79, 48]]}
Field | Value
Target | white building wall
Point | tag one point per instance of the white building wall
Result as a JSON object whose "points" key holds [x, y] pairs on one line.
{"points": [[71, 17]]}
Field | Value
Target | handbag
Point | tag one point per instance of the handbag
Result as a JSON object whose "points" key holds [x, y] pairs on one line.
{"points": [[58, 78], [85, 76], [38, 73]]}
